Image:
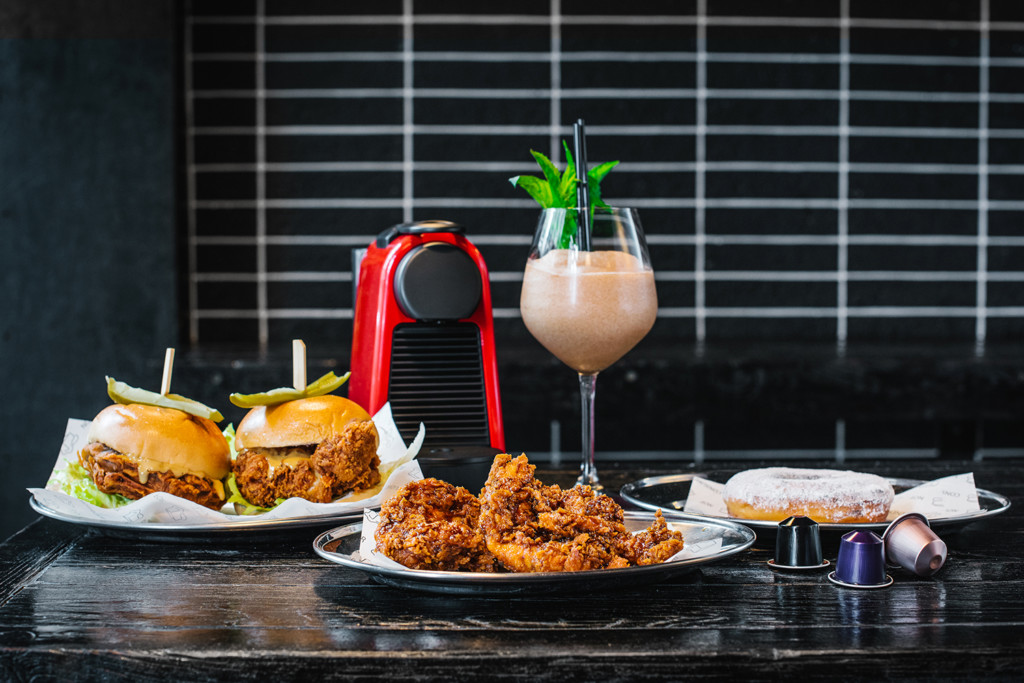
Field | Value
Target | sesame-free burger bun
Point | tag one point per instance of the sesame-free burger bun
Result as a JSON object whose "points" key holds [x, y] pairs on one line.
{"points": [[300, 422], [163, 439]]}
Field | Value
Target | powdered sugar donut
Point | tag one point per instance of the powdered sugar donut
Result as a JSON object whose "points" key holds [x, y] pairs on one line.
{"points": [[827, 496]]}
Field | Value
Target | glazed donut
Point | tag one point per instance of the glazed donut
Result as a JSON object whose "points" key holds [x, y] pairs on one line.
{"points": [[827, 496]]}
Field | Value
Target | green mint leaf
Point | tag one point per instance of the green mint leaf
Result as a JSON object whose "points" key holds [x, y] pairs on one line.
{"points": [[550, 170], [597, 174], [567, 188], [557, 190], [569, 230], [537, 188], [570, 163]]}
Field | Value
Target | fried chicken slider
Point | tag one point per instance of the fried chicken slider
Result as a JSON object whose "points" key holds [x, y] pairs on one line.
{"points": [[315, 448], [135, 449]]}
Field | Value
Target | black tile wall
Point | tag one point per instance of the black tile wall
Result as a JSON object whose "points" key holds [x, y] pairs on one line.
{"points": [[847, 172]]}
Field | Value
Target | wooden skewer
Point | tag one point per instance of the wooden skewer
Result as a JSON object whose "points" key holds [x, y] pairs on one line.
{"points": [[165, 383], [298, 364]]}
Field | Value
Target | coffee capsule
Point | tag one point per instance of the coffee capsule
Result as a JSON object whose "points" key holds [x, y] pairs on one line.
{"points": [[798, 545], [910, 543], [861, 561]]}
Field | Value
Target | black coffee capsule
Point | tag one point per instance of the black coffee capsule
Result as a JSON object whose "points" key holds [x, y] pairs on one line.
{"points": [[798, 544]]}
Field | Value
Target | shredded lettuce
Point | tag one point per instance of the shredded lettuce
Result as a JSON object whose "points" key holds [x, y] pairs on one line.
{"points": [[75, 480], [229, 436], [237, 498]]}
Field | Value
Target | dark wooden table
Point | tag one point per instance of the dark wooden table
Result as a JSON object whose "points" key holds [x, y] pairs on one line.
{"points": [[80, 605]]}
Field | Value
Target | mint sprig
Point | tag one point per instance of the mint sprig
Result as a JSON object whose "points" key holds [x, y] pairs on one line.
{"points": [[557, 189]]}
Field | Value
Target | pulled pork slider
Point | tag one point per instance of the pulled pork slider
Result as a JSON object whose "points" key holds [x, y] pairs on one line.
{"points": [[315, 448], [137, 449]]}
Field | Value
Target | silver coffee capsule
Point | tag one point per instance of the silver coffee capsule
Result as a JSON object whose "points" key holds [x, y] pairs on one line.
{"points": [[910, 543]]}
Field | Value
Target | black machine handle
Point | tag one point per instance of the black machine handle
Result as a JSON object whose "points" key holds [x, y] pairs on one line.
{"points": [[387, 236]]}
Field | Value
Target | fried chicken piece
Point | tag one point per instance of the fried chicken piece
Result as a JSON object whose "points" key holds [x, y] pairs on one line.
{"points": [[349, 458], [319, 473], [262, 484], [431, 524], [535, 528], [115, 473], [656, 543]]}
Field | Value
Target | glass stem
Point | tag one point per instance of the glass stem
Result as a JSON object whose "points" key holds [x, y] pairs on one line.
{"points": [[588, 470]]}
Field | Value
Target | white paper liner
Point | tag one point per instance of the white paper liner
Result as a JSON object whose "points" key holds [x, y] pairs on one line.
{"points": [[397, 464], [371, 518], [950, 496]]}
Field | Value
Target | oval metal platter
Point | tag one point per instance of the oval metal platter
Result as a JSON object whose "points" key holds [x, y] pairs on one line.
{"points": [[668, 493], [707, 541]]}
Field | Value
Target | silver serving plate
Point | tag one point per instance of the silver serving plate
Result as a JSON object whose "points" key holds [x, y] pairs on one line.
{"points": [[341, 546], [668, 493], [169, 532]]}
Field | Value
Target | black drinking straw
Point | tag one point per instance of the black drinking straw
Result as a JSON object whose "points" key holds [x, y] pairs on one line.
{"points": [[582, 191]]}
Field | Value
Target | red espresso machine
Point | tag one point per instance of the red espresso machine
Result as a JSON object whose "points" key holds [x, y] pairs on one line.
{"points": [[423, 339]]}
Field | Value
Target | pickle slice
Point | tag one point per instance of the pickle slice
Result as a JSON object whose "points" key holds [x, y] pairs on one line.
{"points": [[120, 392], [320, 387]]}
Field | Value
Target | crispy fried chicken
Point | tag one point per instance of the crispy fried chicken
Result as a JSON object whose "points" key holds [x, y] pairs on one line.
{"points": [[535, 528], [656, 543], [531, 527], [320, 473], [431, 524], [114, 473]]}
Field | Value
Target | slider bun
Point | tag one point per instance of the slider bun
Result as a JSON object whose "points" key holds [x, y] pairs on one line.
{"points": [[163, 439], [300, 422]]}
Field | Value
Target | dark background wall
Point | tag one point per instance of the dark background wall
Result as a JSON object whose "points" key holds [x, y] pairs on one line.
{"points": [[830, 189], [104, 263], [87, 217]]}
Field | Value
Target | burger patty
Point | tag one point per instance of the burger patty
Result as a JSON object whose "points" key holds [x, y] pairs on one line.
{"points": [[345, 462], [113, 472]]}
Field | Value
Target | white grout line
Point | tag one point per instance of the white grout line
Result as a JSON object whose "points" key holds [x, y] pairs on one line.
{"points": [[981, 324], [624, 130], [840, 455], [671, 312], [555, 112], [500, 276], [649, 203], [700, 179], [698, 442], [614, 20], [408, 116], [261, 181], [824, 167], [843, 178], [190, 190], [279, 313], [610, 56], [819, 94], [279, 276]]}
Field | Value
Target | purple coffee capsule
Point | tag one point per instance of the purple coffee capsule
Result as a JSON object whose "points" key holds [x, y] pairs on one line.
{"points": [[861, 561], [798, 545], [910, 543]]}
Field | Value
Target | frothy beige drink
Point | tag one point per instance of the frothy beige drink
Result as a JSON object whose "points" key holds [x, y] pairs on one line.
{"points": [[588, 308]]}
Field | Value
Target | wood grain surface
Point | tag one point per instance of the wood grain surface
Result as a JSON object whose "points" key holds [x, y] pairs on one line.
{"points": [[75, 603]]}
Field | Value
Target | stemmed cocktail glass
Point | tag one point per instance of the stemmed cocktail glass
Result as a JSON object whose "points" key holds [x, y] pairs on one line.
{"points": [[589, 307]]}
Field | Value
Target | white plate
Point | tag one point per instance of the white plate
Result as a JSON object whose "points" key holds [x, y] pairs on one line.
{"points": [[165, 531], [669, 492], [709, 540]]}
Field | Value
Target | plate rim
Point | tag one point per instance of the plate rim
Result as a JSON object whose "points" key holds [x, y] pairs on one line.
{"points": [[627, 491], [442, 577], [212, 528]]}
